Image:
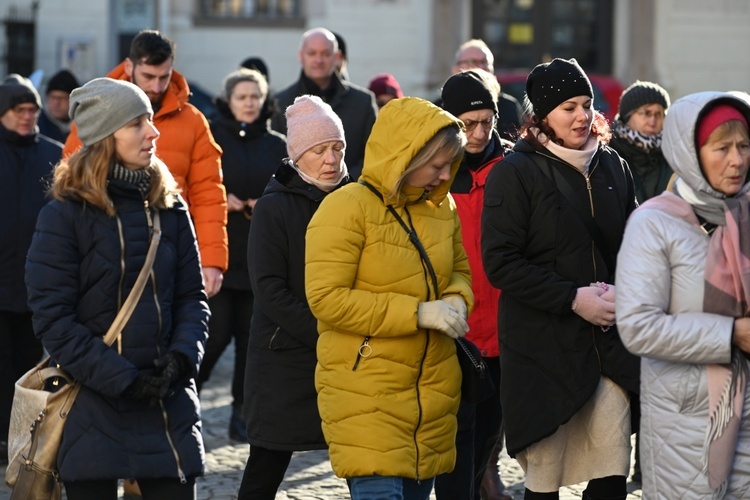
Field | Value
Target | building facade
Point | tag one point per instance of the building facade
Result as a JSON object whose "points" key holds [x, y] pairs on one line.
{"points": [[686, 45]]}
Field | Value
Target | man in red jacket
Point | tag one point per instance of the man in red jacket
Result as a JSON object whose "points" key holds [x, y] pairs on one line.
{"points": [[471, 96], [185, 145]]}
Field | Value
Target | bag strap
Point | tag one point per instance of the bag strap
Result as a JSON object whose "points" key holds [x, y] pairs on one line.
{"points": [[478, 363], [413, 238], [123, 315], [583, 213]]}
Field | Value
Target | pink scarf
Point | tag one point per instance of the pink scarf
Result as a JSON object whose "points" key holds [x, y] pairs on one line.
{"points": [[727, 292]]}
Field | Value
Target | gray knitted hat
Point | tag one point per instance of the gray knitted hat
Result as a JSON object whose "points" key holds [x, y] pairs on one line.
{"points": [[104, 105], [16, 90], [640, 94]]}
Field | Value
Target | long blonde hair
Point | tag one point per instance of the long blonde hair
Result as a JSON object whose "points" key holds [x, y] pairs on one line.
{"points": [[83, 177]]}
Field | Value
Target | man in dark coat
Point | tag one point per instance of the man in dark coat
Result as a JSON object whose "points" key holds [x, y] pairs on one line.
{"points": [[353, 104], [475, 54], [26, 161], [54, 121]]}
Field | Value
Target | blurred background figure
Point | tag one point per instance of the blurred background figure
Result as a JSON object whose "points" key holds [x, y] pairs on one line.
{"points": [[385, 87], [54, 121], [251, 154], [637, 137], [26, 162], [342, 61], [476, 54], [355, 105], [257, 64]]}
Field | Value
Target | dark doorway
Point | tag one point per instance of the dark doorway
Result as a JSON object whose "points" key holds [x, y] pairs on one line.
{"points": [[523, 33]]}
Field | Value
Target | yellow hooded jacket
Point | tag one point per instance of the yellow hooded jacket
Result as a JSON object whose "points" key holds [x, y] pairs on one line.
{"points": [[388, 391]]}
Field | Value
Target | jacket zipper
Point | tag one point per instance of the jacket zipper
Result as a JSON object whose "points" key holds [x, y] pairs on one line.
{"points": [[364, 351], [593, 255], [273, 337], [164, 414], [122, 278], [419, 406], [593, 248]]}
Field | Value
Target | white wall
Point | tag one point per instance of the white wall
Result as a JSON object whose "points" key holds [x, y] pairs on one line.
{"points": [[703, 45], [382, 36]]}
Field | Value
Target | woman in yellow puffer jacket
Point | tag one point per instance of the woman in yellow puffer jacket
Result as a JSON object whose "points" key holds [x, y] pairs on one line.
{"points": [[388, 379]]}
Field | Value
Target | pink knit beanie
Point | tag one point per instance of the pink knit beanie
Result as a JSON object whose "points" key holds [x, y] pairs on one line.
{"points": [[309, 122]]}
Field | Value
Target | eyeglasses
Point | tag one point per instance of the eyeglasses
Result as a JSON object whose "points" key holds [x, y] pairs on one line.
{"points": [[644, 113], [487, 124], [473, 63]]}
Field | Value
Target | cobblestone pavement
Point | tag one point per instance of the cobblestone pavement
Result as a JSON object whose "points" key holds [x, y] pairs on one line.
{"points": [[309, 476]]}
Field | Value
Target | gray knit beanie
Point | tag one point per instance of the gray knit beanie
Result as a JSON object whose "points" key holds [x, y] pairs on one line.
{"points": [[16, 90], [103, 106], [309, 122], [640, 94]]}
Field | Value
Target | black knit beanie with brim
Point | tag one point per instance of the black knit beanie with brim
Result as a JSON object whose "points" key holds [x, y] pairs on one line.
{"points": [[466, 91], [640, 94], [16, 90], [550, 84]]}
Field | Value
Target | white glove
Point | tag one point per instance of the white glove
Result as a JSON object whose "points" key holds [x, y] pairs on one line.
{"points": [[590, 305], [439, 315], [459, 303]]}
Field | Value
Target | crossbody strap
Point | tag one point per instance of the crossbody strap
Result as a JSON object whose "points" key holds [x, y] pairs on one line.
{"points": [[583, 213], [123, 315], [413, 238]]}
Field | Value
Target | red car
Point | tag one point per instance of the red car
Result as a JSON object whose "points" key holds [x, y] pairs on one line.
{"points": [[607, 90]]}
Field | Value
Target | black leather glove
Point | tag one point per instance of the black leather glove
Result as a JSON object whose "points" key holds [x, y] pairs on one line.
{"points": [[147, 387], [173, 366]]}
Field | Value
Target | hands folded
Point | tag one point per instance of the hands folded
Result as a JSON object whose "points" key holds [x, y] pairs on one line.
{"points": [[169, 369], [447, 316]]}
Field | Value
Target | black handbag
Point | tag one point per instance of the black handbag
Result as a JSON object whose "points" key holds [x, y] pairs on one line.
{"points": [[476, 383]]}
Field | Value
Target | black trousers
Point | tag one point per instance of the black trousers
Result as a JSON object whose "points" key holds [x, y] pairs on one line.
{"points": [[231, 311], [20, 351], [478, 431], [152, 489], [264, 473]]}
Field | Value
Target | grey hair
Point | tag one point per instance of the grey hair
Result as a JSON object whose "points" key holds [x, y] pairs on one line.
{"points": [[319, 31], [243, 75]]}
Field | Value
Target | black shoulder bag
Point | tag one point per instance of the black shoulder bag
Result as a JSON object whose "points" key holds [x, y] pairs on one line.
{"points": [[476, 385], [617, 363]]}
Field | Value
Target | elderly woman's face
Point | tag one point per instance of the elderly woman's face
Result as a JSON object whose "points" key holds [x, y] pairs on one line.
{"points": [[323, 162], [648, 119], [572, 121], [725, 161], [135, 143], [246, 102]]}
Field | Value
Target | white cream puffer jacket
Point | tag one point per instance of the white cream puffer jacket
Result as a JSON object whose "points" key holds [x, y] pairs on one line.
{"points": [[660, 286]]}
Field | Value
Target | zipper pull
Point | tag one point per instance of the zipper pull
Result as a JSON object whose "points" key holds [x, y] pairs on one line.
{"points": [[364, 351]]}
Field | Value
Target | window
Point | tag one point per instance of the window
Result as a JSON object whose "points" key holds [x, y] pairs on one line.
{"points": [[262, 12]]}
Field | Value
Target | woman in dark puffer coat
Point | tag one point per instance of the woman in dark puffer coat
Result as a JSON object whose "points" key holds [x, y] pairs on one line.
{"points": [[252, 151], [137, 414]]}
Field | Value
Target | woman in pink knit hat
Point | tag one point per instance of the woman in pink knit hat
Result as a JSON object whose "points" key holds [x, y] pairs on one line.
{"points": [[280, 399]]}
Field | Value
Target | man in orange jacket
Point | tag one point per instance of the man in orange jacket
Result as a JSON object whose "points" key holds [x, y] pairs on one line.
{"points": [[185, 145]]}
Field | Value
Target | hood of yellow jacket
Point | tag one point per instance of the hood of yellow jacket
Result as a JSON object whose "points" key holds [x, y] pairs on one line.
{"points": [[402, 129]]}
